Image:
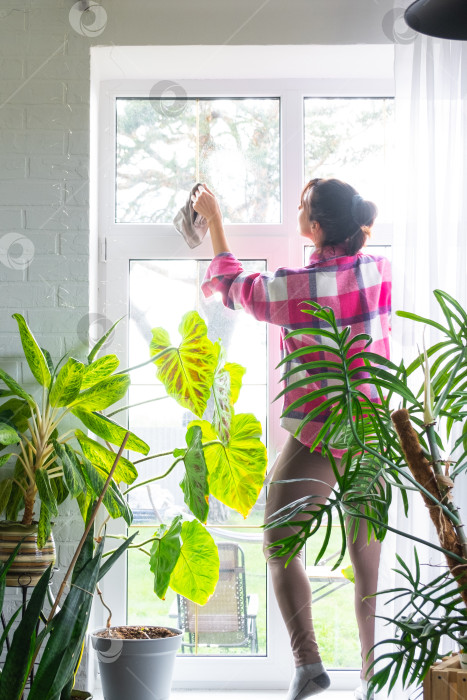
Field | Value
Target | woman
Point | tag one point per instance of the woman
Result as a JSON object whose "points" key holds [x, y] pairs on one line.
{"points": [[357, 287]]}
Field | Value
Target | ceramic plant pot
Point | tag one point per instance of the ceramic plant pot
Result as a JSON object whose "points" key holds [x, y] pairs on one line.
{"points": [[30, 562], [140, 669]]}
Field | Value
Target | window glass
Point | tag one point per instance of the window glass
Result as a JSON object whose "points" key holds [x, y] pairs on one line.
{"points": [[165, 146], [352, 139], [161, 291]]}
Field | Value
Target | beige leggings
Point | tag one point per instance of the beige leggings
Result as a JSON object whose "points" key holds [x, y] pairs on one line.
{"points": [[291, 584]]}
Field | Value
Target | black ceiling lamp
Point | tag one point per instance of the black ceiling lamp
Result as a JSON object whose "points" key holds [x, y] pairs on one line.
{"points": [[446, 19]]}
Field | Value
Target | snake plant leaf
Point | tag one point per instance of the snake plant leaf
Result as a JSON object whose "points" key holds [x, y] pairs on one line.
{"points": [[112, 558], [69, 627], [236, 377], [197, 569], [107, 429], [101, 341], [236, 470], [165, 551], [99, 370], [103, 394], [45, 490], [34, 355], [67, 384], [195, 482], [8, 435], [71, 469], [103, 459], [187, 372], [114, 501], [16, 388], [17, 662], [44, 527], [5, 491], [221, 397]]}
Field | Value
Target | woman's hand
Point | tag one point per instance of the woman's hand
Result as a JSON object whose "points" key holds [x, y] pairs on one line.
{"points": [[206, 204]]}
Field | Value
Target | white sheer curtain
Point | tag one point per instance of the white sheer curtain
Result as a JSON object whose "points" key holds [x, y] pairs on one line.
{"points": [[430, 246]]}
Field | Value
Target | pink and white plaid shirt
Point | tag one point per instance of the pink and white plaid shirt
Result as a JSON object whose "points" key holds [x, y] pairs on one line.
{"points": [[356, 287]]}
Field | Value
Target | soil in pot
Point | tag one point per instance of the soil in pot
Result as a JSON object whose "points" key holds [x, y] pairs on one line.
{"points": [[135, 632]]}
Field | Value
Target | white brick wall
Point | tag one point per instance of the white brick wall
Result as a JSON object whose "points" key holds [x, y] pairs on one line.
{"points": [[44, 154]]}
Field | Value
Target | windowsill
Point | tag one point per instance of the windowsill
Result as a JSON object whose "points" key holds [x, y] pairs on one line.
{"points": [[242, 694]]}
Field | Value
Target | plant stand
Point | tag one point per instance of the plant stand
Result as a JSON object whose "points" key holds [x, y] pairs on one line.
{"points": [[446, 680]]}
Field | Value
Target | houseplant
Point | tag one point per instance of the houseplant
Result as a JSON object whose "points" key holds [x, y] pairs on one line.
{"points": [[63, 633], [223, 457], [421, 446]]}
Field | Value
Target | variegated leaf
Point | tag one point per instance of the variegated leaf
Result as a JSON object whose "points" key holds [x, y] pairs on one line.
{"points": [[236, 470], [187, 372], [197, 569]]}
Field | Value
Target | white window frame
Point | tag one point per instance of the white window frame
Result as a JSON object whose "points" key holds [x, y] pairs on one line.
{"points": [[113, 245]]}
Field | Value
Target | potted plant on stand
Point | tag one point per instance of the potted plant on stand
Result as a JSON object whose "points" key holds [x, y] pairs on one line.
{"points": [[62, 637], [421, 446], [222, 456]]}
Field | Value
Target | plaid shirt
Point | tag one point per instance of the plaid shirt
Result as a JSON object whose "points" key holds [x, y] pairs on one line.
{"points": [[356, 287]]}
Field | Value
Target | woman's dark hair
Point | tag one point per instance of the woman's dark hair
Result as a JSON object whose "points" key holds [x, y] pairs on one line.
{"points": [[344, 216]]}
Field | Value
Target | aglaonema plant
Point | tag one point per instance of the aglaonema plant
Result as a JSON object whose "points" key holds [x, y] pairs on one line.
{"points": [[46, 441], [421, 446]]}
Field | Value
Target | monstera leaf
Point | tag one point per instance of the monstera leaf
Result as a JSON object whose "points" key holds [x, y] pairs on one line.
{"points": [[186, 371], [236, 470], [197, 569]]}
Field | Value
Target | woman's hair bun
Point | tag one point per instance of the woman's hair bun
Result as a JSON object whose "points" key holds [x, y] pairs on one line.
{"points": [[363, 212]]}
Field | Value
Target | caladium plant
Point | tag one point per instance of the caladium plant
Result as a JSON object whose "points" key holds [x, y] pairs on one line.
{"points": [[223, 457]]}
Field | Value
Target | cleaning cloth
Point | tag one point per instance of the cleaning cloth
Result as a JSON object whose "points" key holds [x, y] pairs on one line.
{"points": [[189, 223]]}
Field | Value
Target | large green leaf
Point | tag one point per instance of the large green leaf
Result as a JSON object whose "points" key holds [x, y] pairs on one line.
{"points": [[8, 435], [44, 527], [165, 551], [46, 494], [34, 355], [107, 429], [115, 502], [16, 412], [15, 387], [71, 469], [103, 459], [99, 370], [103, 394], [221, 397], [187, 372], [67, 385], [236, 470], [15, 503], [195, 482], [197, 569]]}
